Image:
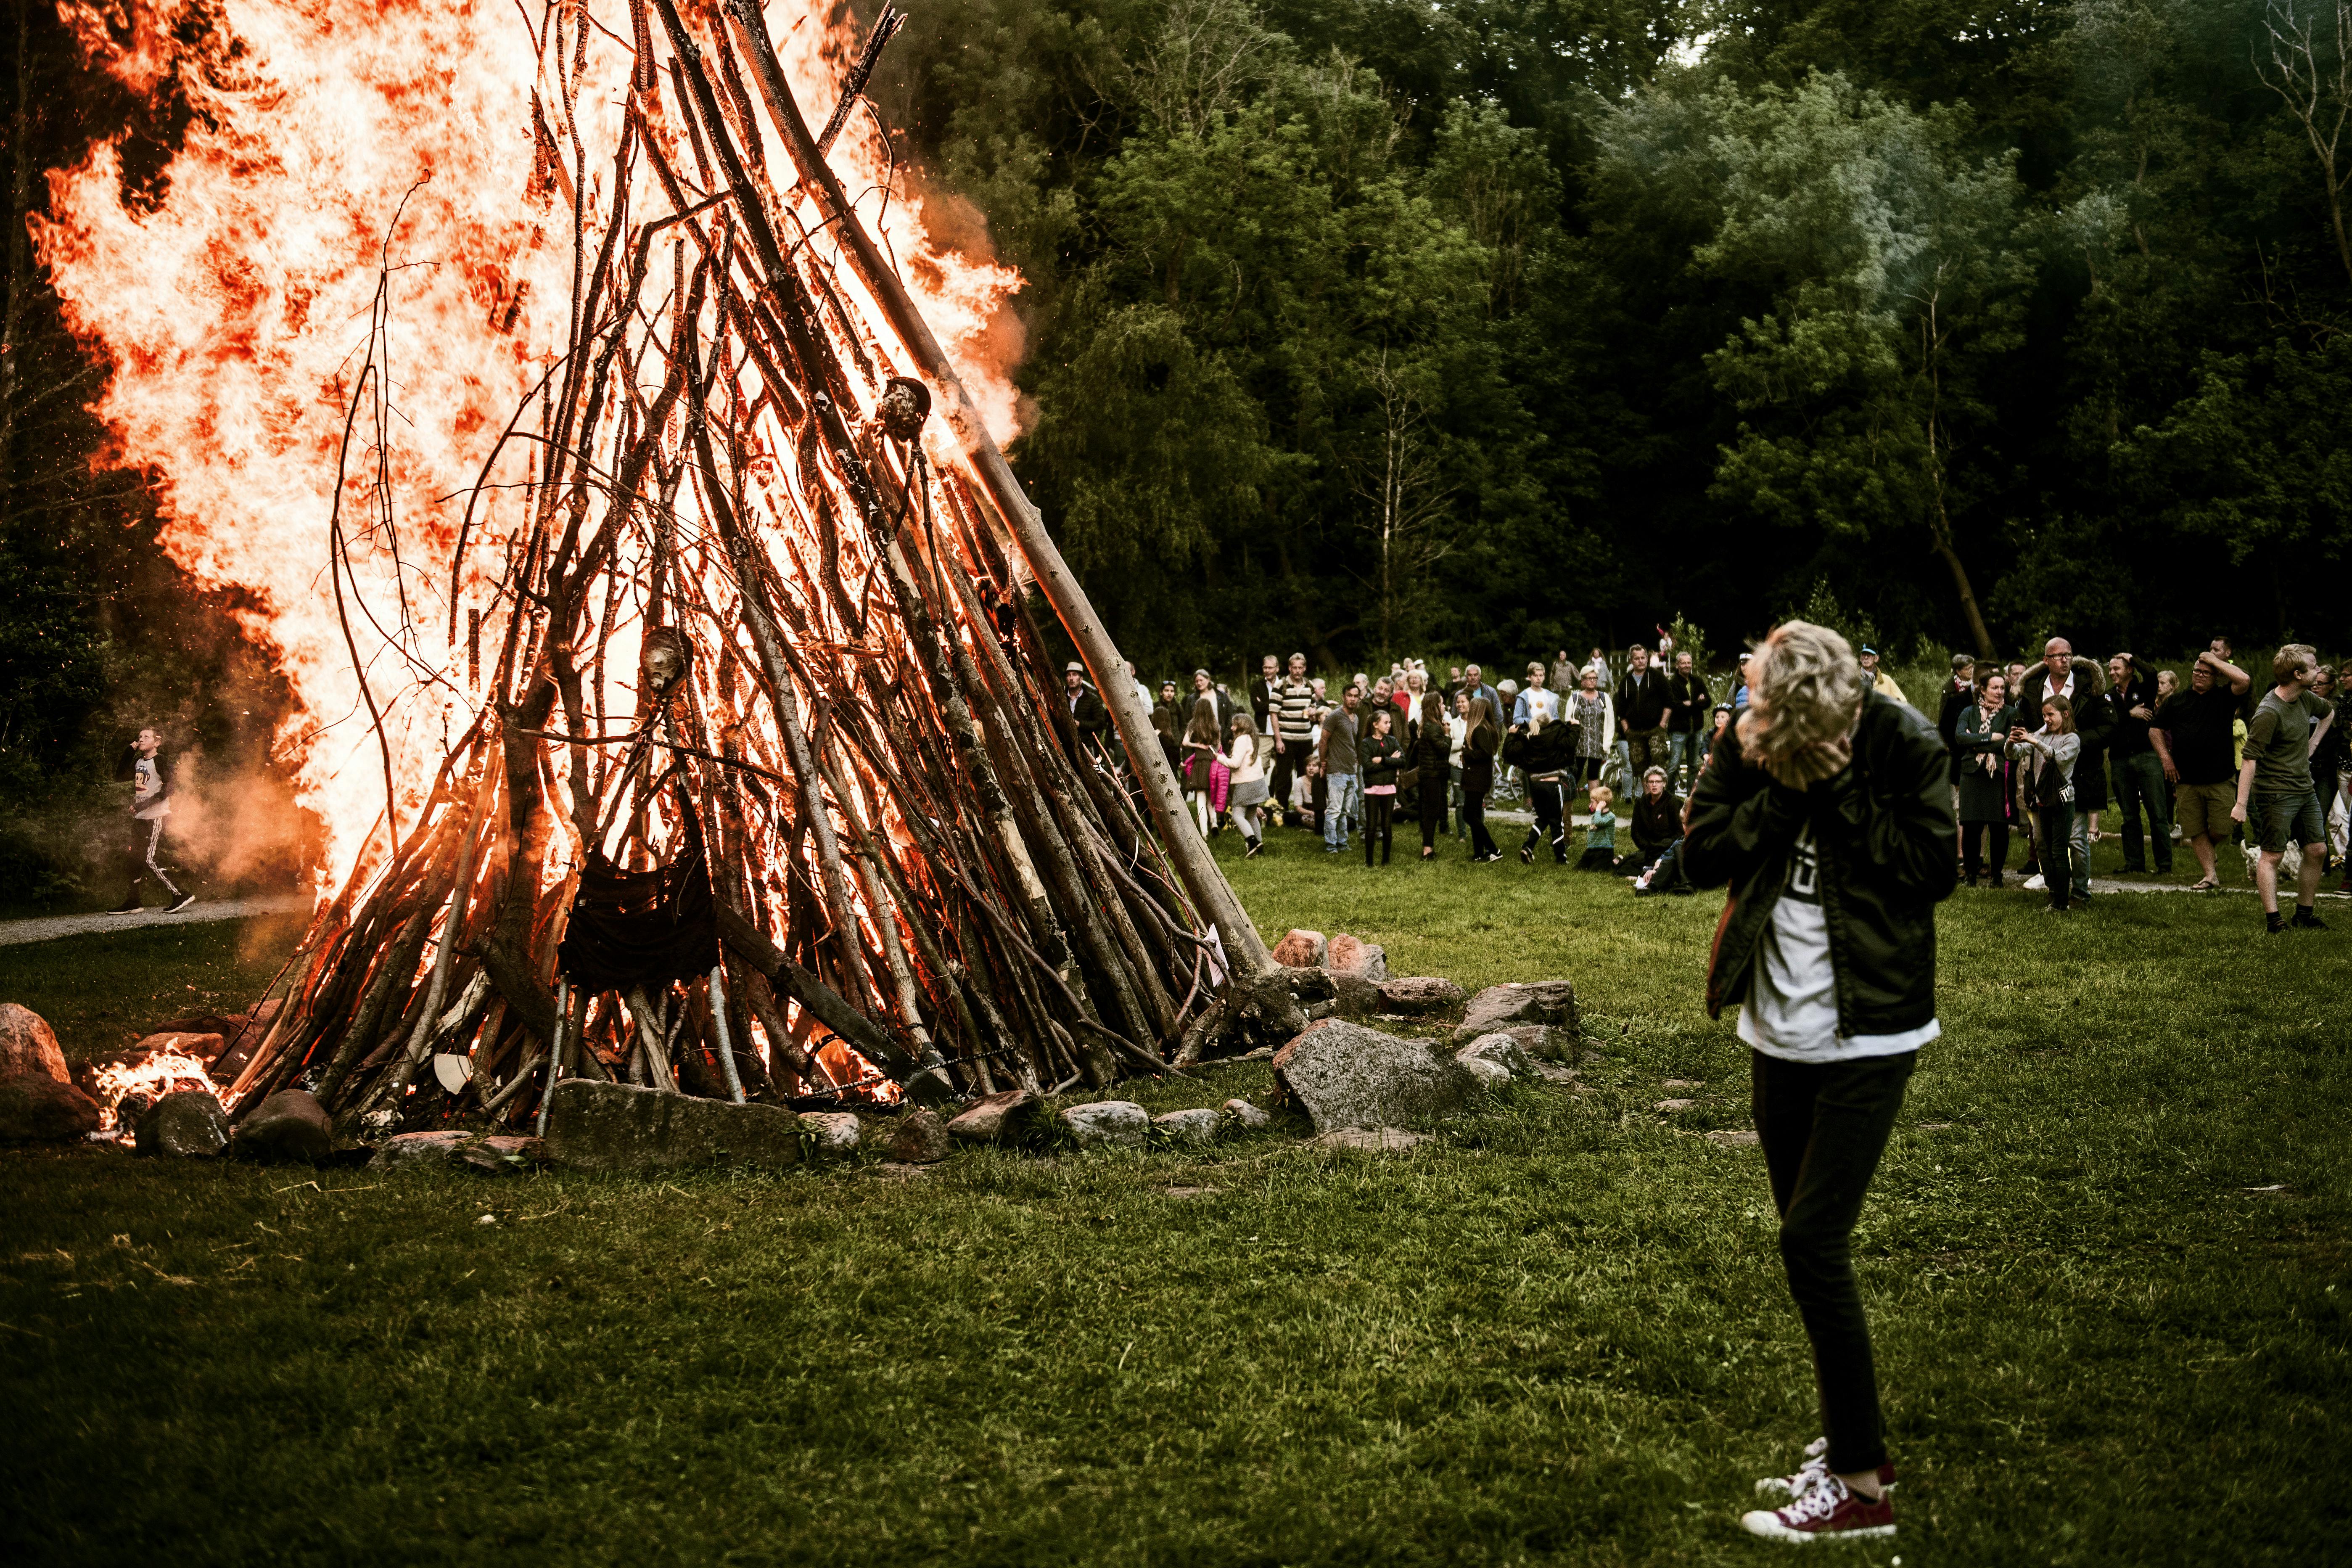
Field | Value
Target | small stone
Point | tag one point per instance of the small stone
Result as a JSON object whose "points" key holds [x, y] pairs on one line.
{"points": [[1670, 1105], [1194, 1192], [1353, 955], [836, 1132], [1369, 1140], [499, 1154], [1729, 1140], [1116, 1121], [489, 1218], [1346, 1075], [1550, 1002], [918, 1138], [1489, 1074], [203, 1046], [1420, 994], [37, 1108], [1683, 1083], [1303, 949], [28, 1047], [617, 1127], [1500, 1049], [1193, 1126], [189, 1123], [1004, 1117], [1247, 1115], [416, 1150], [290, 1125]]}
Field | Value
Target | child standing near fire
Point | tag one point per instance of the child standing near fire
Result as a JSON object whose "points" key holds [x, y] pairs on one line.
{"points": [[143, 768]]}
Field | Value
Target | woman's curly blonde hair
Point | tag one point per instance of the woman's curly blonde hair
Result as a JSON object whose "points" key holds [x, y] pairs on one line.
{"points": [[1804, 686]]}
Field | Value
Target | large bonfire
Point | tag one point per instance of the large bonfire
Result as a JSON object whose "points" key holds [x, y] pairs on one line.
{"points": [[660, 606]]}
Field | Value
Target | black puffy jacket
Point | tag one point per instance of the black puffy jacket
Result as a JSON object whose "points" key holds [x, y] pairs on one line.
{"points": [[1884, 832]]}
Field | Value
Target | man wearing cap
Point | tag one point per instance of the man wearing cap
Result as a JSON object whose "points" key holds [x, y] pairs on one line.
{"points": [[1087, 710], [1880, 681]]}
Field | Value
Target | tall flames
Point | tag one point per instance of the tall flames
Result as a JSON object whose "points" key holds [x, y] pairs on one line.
{"points": [[363, 262]]}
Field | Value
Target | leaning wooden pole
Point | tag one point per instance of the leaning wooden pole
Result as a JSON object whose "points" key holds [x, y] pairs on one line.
{"points": [[1186, 848]]}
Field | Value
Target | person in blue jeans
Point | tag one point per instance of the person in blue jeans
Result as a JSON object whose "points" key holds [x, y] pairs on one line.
{"points": [[1335, 759]]}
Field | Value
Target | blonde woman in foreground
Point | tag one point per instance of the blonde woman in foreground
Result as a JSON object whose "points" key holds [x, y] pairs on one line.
{"points": [[1828, 809]]}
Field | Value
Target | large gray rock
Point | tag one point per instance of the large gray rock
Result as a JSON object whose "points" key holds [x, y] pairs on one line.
{"points": [[1490, 1074], [1119, 1123], [918, 1138], [1499, 1049], [189, 1123], [1190, 1127], [1552, 1002], [289, 1125], [1418, 993], [36, 1109], [1355, 956], [836, 1132], [28, 1047], [615, 1126], [1349, 1076], [1005, 1117]]}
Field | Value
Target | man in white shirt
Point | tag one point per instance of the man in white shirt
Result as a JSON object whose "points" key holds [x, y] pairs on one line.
{"points": [[144, 767]]}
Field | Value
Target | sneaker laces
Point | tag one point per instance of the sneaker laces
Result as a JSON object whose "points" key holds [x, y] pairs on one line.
{"points": [[1816, 1466], [1817, 1503]]}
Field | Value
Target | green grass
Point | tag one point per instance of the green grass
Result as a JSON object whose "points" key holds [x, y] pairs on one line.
{"points": [[1554, 1334]]}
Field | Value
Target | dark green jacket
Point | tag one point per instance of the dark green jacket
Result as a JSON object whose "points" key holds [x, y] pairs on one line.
{"points": [[1884, 832]]}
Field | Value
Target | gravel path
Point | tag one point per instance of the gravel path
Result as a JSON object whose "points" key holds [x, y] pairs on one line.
{"points": [[49, 928]]}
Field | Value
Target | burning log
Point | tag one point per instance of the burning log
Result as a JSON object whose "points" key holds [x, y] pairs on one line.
{"points": [[768, 793]]}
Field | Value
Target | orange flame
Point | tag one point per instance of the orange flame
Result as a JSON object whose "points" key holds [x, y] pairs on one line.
{"points": [[368, 227], [165, 1072]]}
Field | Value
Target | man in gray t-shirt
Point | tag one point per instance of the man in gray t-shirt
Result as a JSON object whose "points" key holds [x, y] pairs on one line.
{"points": [[2275, 792], [1335, 758]]}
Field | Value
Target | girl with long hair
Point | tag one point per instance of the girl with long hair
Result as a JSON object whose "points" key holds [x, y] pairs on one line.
{"points": [[1432, 752], [1380, 754], [2050, 754], [1200, 749], [1247, 761], [1478, 748]]}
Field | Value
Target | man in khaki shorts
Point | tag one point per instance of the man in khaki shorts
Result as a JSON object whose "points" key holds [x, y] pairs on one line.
{"points": [[2191, 734]]}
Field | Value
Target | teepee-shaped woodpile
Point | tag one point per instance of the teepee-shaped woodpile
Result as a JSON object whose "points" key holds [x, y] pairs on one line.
{"points": [[771, 792]]}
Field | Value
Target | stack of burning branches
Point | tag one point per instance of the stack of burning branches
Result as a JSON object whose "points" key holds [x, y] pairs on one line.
{"points": [[768, 791]]}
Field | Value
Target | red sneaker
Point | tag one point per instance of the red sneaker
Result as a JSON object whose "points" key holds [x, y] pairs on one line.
{"points": [[1828, 1510]]}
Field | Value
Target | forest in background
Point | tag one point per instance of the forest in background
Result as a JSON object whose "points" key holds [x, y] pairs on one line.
{"points": [[1372, 327]]}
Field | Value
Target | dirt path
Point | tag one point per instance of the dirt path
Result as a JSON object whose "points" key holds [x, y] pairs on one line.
{"points": [[49, 928]]}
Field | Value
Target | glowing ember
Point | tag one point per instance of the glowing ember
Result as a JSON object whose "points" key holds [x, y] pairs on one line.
{"points": [[369, 215], [165, 1072]]}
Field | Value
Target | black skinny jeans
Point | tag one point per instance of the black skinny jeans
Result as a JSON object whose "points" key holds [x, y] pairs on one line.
{"points": [[1474, 812], [1822, 1126], [1972, 837], [1380, 822], [1550, 803], [1432, 806], [2057, 863]]}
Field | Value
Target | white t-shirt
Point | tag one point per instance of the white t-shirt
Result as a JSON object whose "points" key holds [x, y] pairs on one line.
{"points": [[1791, 1006], [146, 783], [1458, 730]]}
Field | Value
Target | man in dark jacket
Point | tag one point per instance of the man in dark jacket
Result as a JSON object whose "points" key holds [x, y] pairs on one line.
{"points": [[2078, 680], [1828, 810], [1642, 706], [2139, 776], [1690, 707], [1086, 705]]}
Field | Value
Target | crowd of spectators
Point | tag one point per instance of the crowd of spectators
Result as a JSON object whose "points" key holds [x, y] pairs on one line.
{"points": [[2039, 755]]}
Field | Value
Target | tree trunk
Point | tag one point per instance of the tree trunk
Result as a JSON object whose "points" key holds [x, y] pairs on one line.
{"points": [[20, 272]]}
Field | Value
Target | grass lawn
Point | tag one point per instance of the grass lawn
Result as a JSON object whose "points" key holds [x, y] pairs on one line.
{"points": [[2107, 1257]]}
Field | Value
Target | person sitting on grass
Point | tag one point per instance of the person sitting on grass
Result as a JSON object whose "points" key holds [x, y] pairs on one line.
{"points": [[1829, 807], [1383, 756], [2050, 754], [1599, 833], [1657, 824], [1542, 750]]}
